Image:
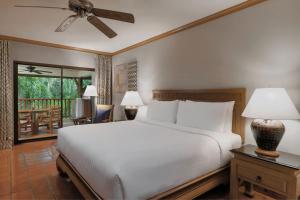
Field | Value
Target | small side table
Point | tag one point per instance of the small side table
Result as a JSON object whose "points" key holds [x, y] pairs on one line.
{"points": [[82, 120], [280, 175]]}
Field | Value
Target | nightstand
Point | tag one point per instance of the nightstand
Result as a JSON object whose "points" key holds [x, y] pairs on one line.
{"points": [[280, 175], [82, 120]]}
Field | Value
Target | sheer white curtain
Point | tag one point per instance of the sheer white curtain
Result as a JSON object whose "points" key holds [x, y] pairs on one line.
{"points": [[6, 98]]}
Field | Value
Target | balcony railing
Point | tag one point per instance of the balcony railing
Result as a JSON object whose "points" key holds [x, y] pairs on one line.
{"points": [[44, 103]]}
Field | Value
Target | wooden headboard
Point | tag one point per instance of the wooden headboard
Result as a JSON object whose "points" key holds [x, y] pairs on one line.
{"points": [[211, 95]]}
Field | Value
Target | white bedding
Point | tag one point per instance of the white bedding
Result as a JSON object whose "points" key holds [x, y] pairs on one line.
{"points": [[138, 159]]}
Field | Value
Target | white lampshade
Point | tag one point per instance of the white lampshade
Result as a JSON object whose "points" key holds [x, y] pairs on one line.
{"points": [[271, 103], [90, 91], [132, 98]]}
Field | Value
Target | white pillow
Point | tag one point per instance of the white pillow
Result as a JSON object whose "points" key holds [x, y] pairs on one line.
{"points": [[202, 115], [229, 116], [142, 113], [163, 111]]}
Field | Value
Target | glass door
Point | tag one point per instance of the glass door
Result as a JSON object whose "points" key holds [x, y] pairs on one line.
{"points": [[47, 99], [39, 101], [76, 107]]}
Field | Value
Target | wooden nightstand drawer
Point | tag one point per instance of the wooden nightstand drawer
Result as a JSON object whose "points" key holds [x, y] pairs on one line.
{"points": [[280, 175], [263, 176]]}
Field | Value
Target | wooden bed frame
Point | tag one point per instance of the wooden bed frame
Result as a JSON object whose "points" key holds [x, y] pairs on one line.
{"points": [[197, 186]]}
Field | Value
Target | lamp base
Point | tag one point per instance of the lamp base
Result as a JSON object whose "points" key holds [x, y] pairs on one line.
{"points": [[130, 113], [267, 153], [267, 134]]}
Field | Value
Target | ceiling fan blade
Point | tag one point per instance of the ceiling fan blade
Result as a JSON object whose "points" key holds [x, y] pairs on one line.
{"points": [[37, 72], [44, 71], [120, 16], [101, 26], [66, 23], [21, 6]]}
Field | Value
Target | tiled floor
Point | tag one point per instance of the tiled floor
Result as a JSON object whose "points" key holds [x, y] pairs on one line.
{"points": [[29, 172]]}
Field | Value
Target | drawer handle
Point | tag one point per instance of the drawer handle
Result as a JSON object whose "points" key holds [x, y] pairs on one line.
{"points": [[258, 179]]}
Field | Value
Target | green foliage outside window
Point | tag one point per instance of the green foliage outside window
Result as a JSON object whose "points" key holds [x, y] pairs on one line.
{"points": [[45, 87], [86, 82]]}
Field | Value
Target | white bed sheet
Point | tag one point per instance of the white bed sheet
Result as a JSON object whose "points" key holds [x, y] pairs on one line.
{"points": [[138, 159]]}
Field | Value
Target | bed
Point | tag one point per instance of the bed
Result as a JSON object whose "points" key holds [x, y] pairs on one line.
{"points": [[148, 159]]}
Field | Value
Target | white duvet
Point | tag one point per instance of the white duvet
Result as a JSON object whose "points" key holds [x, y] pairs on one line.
{"points": [[139, 159]]}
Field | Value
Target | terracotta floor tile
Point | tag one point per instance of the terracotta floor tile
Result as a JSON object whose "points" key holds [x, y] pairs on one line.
{"points": [[41, 186], [68, 197], [4, 167], [20, 185], [4, 176], [38, 172], [4, 164], [19, 177], [40, 159], [5, 187], [42, 196], [5, 179], [38, 166], [38, 162], [24, 195], [5, 197], [5, 154], [37, 153], [52, 169], [61, 186], [17, 164], [19, 173]]}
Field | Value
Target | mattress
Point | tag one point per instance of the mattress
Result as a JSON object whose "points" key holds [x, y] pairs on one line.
{"points": [[139, 159]]}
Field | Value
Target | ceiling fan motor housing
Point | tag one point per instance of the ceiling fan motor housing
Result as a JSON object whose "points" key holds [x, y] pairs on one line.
{"points": [[30, 68], [81, 6]]}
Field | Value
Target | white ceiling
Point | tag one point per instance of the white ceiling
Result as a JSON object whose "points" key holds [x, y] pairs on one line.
{"points": [[153, 17]]}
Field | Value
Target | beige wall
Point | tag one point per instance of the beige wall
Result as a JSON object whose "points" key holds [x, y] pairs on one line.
{"points": [[48, 55], [257, 47]]}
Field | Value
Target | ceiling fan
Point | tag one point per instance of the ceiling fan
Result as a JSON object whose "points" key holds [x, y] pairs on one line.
{"points": [[33, 69], [84, 8]]}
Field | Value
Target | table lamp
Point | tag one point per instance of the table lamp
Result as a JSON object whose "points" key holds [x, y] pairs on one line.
{"points": [[267, 106], [131, 101], [91, 91]]}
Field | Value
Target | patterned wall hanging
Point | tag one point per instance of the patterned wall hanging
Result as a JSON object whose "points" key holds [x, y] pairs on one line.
{"points": [[125, 77], [132, 76]]}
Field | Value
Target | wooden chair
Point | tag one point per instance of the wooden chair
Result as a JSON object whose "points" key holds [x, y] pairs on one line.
{"points": [[104, 113], [43, 119], [25, 123], [55, 117], [50, 118]]}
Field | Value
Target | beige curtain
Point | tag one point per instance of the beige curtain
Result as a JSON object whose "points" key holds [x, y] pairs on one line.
{"points": [[6, 98], [103, 79]]}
